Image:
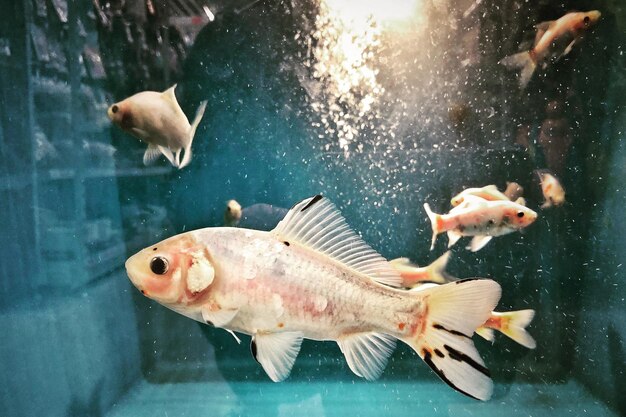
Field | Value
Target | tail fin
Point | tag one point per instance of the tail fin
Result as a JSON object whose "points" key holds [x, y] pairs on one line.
{"points": [[514, 326], [486, 333], [444, 340], [524, 62], [434, 217], [192, 133]]}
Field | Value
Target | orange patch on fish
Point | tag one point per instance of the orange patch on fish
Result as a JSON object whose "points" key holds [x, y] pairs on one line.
{"points": [[401, 326], [281, 325]]}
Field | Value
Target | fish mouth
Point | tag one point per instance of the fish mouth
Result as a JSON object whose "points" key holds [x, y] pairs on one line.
{"points": [[133, 271]]}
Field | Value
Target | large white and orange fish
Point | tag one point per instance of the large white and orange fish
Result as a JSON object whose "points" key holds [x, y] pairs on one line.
{"points": [[554, 39], [157, 119], [313, 277], [480, 218]]}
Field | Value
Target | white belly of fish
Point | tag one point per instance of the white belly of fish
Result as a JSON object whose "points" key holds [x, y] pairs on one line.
{"points": [[287, 287]]}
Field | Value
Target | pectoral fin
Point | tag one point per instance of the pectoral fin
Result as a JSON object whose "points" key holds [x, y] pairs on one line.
{"points": [[141, 134], [569, 48], [479, 242], [276, 352], [453, 237], [219, 317]]}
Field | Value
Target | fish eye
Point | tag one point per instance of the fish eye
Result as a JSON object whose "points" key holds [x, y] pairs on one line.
{"points": [[228, 208], [586, 20], [520, 214], [159, 265], [114, 108]]}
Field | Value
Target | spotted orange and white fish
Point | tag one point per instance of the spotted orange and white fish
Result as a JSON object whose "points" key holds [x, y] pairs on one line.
{"points": [[553, 40], [481, 219], [313, 277], [157, 119]]}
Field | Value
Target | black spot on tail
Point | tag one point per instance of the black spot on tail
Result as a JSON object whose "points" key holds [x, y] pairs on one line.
{"points": [[429, 361], [462, 357], [253, 350], [454, 332], [313, 201], [461, 281]]}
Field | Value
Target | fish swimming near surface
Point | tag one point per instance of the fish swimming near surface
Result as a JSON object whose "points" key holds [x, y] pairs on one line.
{"points": [[232, 214], [488, 192], [553, 191], [157, 119], [313, 277], [412, 274], [554, 40], [510, 323], [258, 216], [480, 218]]}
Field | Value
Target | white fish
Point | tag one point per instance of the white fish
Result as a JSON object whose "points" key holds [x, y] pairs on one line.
{"points": [[232, 214], [553, 191], [313, 277], [554, 40], [157, 119]]}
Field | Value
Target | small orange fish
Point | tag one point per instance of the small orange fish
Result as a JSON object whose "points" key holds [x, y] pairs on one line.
{"points": [[412, 274], [512, 324], [553, 191], [157, 119], [232, 214], [554, 40]]}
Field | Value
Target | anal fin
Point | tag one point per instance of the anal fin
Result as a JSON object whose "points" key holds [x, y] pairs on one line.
{"points": [[168, 154]]}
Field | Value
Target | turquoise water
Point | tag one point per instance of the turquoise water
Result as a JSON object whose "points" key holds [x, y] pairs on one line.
{"points": [[379, 109]]}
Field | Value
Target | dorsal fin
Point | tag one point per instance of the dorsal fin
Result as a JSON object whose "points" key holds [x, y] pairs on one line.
{"points": [[170, 97], [318, 224]]}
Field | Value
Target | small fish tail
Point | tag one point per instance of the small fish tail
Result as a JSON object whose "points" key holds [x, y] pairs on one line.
{"points": [[192, 133], [443, 338], [514, 325], [435, 222], [437, 270], [486, 333], [523, 62]]}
